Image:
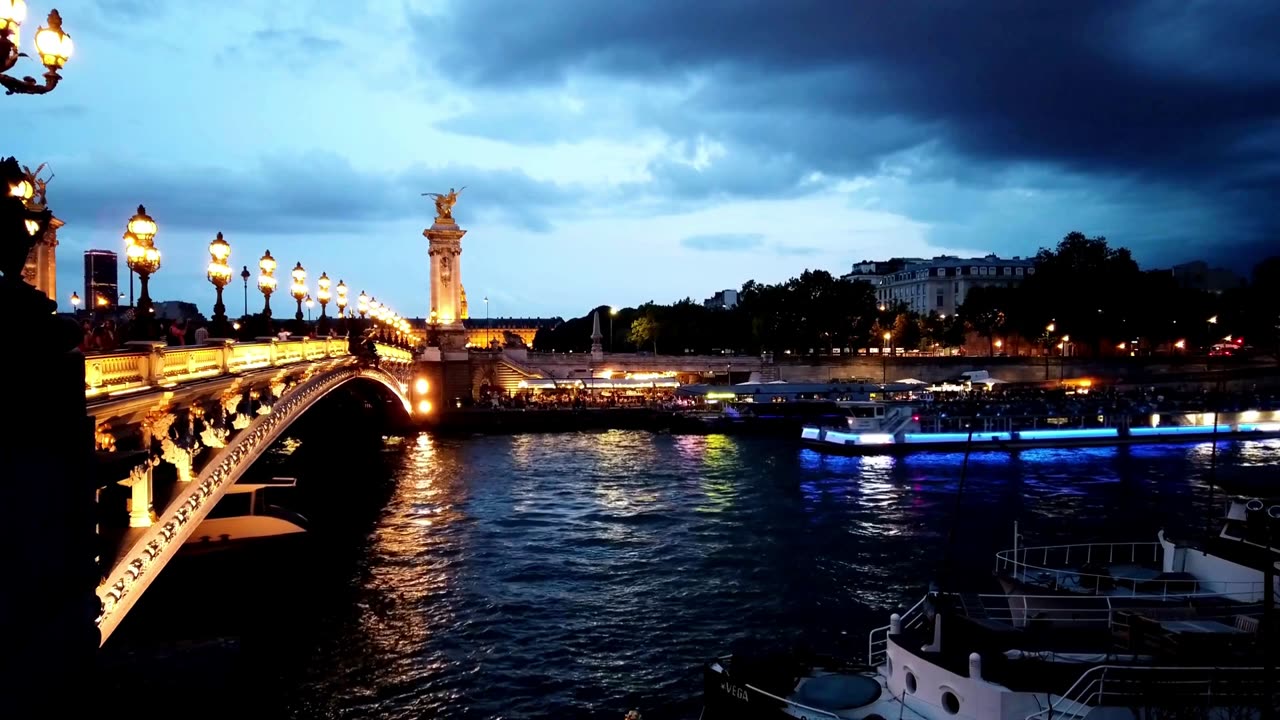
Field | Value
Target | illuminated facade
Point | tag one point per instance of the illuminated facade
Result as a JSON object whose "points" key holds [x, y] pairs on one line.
{"points": [[481, 332], [941, 284]]}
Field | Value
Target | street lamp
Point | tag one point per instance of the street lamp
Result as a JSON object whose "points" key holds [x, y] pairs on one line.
{"points": [[613, 312], [341, 300], [487, 340], [142, 257], [267, 284], [244, 277], [219, 274], [75, 303], [52, 45], [299, 288], [322, 294], [884, 378], [362, 305]]}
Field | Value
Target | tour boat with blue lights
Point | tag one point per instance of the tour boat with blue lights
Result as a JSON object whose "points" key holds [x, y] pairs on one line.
{"points": [[878, 428], [1090, 630]]}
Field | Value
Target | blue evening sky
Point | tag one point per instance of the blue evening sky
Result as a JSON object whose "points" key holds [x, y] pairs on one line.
{"points": [[616, 152]]}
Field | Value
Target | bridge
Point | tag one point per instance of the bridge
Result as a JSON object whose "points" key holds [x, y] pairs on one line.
{"points": [[179, 426]]}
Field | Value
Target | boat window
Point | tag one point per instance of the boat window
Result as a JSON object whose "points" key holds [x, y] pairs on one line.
{"points": [[879, 411], [232, 505], [950, 703], [864, 411], [911, 682]]}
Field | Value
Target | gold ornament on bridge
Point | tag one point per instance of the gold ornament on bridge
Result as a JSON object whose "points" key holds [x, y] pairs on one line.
{"points": [[277, 387], [445, 202], [103, 440], [230, 400], [139, 473], [158, 421], [214, 437], [179, 457], [241, 421]]}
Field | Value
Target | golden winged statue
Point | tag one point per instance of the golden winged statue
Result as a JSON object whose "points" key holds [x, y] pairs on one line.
{"points": [[444, 202]]}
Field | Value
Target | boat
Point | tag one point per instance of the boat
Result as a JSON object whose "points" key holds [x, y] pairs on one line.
{"points": [[244, 517], [881, 428], [1060, 643]]}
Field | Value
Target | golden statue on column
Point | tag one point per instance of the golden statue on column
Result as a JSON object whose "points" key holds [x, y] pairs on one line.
{"points": [[448, 299]]}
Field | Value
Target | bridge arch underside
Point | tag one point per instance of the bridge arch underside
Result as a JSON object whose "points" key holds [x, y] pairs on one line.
{"points": [[178, 452]]}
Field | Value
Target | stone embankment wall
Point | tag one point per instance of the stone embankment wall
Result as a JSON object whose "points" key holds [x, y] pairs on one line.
{"points": [[1111, 371]]}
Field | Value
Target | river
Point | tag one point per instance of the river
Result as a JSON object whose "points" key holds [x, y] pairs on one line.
{"points": [[582, 575]]}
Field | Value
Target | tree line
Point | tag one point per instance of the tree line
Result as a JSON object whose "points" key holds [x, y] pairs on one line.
{"points": [[1084, 290]]}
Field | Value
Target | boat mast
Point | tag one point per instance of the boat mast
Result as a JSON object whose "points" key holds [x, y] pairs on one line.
{"points": [[946, 568]]}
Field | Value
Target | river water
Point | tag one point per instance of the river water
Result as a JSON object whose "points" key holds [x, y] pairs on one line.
{"points": [[582, 575]]}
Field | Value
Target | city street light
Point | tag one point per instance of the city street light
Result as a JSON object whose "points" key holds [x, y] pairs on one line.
{"points": [[487, 340], [613, 312], [310, 304], [884, 356], [341, 300], [143, 258], [323, 295], [267, 284], [362, 305], [219, 273], [244, 277], [75, 303], [52, 45], [298, 289]]}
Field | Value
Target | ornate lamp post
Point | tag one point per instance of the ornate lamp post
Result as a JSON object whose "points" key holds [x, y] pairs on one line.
{"points": [[143, 258], [323, 295], [267, 284], [244, 278], [219, 274], [75, 304], [298, 289], [341, 301], [310, 304], [362, 305], [52, 44]]}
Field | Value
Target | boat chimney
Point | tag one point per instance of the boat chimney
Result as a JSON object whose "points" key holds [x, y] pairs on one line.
{"points": [[895, 624], [975, 666]]}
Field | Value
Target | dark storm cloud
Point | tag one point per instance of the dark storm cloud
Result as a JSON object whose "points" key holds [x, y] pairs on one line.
{"points": [[316, 193], [1165, 93]]}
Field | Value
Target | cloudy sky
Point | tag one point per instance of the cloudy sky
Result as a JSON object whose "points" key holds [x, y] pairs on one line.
{"points": [[619, 151]]}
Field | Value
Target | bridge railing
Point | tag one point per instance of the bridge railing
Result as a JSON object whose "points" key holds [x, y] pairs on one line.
{"points": [[150, 364]]}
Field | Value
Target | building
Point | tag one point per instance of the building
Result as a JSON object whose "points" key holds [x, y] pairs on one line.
{"points": [[722, 300], [101, 289], [1197, 275], [481, 332], [862, 269], [940, 285]]}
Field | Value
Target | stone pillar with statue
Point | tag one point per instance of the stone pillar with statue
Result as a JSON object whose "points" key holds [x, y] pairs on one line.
{"points": [[444, 249], [48, 605]]}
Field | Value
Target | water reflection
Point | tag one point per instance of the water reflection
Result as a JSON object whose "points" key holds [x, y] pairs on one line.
{"points": [[583, 574]]}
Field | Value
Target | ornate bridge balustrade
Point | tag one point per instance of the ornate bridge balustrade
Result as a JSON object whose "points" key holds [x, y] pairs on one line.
{"points": [[176, 426]]}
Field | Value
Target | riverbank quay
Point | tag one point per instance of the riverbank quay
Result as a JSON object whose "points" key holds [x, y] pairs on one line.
{"points": [[501, 421]]}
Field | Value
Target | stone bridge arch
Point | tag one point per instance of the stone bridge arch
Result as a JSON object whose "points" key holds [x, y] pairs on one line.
{"points": [[223, 438]]}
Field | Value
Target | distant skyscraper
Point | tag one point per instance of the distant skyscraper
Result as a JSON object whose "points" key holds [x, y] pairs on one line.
{"points": [[101, 292]]}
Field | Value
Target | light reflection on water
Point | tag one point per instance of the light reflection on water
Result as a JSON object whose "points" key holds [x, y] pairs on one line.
{"points": [[580, 575]]}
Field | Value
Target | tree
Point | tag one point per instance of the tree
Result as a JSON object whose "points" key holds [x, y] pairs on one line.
{"points": [[644, 330], [1085, 287], [983, 312]]}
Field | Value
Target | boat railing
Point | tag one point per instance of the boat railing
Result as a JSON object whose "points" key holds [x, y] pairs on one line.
{"points": [[878, 639], [1184, 686], [1111, 612], [1064, 567]]}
